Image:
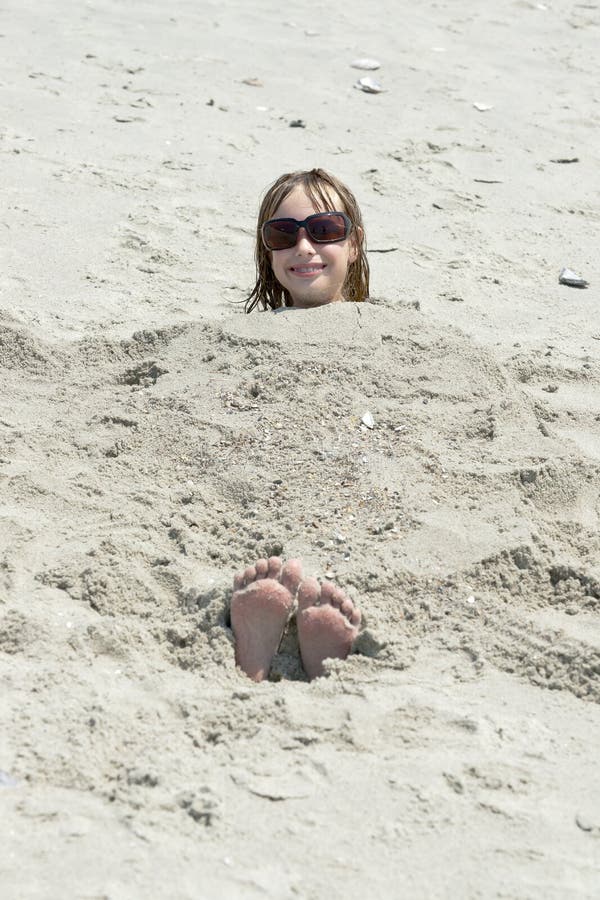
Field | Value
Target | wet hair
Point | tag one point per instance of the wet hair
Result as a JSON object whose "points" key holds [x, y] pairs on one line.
{"points": [[326, 192]]}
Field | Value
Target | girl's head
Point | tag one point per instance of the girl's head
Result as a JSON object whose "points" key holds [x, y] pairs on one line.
{"points": [[327, 259]]}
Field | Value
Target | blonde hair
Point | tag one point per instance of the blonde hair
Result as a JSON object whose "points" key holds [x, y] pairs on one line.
{"points": [[327, 192]]}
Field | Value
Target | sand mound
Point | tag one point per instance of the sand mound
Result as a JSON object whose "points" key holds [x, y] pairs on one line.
{"points": [[464, 521]]}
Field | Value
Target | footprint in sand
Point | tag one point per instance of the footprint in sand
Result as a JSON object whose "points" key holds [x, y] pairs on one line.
{"points": [[264, 600]]}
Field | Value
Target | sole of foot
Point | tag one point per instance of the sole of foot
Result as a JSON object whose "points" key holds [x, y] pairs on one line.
{"points": [[262, 602], [328, 624]]}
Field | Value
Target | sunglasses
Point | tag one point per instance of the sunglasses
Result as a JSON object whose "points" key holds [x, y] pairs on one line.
{"points": [[322, 228]]}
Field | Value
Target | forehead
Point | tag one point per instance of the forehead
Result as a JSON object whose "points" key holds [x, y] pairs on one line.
{"points": [[298, 205]]}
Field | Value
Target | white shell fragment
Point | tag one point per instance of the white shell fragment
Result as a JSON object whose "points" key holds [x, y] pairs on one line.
{"points": [[7, 780], [568, 276], [369, 85], [365, 63], [482, 107], [368, 420]]}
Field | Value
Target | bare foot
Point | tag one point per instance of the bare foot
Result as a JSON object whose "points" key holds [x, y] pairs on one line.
{"points": [[327, 624], [261, 605]]}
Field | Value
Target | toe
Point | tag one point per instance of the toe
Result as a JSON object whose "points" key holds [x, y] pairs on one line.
{"points": [[262, 568], [309, 593], [347, 607], [274, 567], [238, 581], [291, 575], [329, 593], [339, 598], [248, 575]]}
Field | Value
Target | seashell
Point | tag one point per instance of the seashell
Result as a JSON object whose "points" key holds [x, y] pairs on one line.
{"points": [[365, 63], [368, 420], [369, 86], [568, 276], [482, 107]]}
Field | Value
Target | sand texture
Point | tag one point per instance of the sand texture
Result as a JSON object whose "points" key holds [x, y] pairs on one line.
{"points": [[154, 440]]}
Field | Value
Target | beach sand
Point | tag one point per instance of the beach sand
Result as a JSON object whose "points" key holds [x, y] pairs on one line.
{"points": [[155, 440]]}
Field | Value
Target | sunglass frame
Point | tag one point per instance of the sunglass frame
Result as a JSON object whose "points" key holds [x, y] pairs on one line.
{"points": [[347, 229]]}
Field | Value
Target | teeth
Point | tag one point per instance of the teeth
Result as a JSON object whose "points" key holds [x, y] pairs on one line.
{"points": [[305, 269]]}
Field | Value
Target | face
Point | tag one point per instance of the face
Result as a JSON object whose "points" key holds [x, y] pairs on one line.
{"points": [[313, 273]]}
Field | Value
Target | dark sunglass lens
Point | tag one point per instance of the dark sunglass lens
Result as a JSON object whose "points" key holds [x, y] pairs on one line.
{"points": [[280, 235], [327, 228]]}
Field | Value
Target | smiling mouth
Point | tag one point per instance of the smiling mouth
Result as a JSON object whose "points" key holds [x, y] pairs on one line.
{"points": [[307, 270]]}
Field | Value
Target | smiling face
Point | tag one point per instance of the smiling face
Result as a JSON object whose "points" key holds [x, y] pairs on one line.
{"points": [[314, 274]]}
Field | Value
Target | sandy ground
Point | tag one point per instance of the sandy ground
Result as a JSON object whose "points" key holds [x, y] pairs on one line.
{"points": [[154, 439]]}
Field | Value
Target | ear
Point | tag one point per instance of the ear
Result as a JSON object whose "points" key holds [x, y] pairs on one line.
{"points": [[356, 239]]}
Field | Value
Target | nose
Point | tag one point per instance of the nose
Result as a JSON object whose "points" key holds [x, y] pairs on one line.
{"points": [[304, 245]]}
